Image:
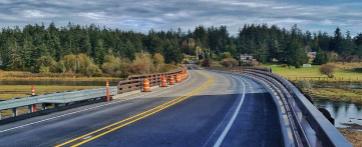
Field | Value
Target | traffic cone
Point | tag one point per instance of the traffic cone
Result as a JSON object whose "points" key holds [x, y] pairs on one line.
{"points": [[146, 85], [178, 78], [108, 95], [32, 90]]}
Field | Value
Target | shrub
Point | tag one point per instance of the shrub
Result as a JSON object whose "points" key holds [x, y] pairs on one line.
{"points": [[46, 64], [226, 55], [115, 66], [142, 64], [158, 61], [79, 64], [229, 62], [167, 67], [327, 69], [359, 70], [205, 63]]}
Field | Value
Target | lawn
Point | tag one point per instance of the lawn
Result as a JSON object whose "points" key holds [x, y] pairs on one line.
{"points": [[11, 91]]}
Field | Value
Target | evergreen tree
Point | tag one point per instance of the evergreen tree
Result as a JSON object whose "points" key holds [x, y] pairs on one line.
{"points": [[295, 54], [321, 58], [100, 52]]}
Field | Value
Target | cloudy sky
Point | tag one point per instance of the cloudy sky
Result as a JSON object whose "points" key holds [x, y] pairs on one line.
{"points": [[142, 15]]}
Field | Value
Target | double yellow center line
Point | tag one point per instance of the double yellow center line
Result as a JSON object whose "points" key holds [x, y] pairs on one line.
{"points": [[115, 126]]}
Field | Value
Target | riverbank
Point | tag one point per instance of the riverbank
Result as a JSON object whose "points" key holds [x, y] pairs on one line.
{"points": [[336, 94], [355, 137]]}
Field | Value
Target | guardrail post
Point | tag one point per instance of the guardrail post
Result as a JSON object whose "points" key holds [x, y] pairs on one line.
{"points": [[43, 106], [32, 108], [15, 113], [108, 96], [32, 90]]}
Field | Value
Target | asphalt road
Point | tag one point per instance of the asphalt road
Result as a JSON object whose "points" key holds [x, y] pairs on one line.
{"points": [[209, 109]]}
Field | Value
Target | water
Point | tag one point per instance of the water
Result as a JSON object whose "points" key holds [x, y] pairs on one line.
{"points": [[344, 113]]}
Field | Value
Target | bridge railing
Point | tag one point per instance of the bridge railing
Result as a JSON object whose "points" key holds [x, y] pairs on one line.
{"points": [[132, 83], [305, 114], [135, 82]]}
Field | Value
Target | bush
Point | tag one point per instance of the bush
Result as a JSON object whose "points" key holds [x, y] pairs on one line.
{"points": [[205, 63], [359, 70], [115, 66], [46, 64], [79, 64], [142, 64], [158, 61], [229, 62], [167, 67], [226, 55], [327, 69]]}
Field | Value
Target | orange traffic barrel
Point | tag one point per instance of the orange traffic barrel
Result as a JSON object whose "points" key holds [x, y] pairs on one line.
{"points": [[108, 94], [163, 81], [172, 80], [178, 78], [32, 90], [146, 85]]}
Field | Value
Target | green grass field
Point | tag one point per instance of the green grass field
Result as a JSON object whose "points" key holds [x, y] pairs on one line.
{"points": [[343, 73], [312, 73], [11, 91]]}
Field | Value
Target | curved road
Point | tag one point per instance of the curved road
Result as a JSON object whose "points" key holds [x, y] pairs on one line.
{"points": [[208, 109]]}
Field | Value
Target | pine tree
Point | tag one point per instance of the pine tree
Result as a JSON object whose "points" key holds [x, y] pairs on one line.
{"points": [[321, 57]]}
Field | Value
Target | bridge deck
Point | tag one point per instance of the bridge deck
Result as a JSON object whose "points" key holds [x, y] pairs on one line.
{"points": [[197, 121]]}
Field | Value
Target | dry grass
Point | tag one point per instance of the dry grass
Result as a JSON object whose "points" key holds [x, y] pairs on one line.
{"points": [[336, 94], [28, 76], [355, 137]]}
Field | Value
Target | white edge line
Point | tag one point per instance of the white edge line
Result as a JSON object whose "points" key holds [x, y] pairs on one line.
{"points": [[231, 122], [63, 115]]}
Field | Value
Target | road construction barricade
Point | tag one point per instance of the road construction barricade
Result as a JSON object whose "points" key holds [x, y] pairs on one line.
{"points": [[145, 82]]}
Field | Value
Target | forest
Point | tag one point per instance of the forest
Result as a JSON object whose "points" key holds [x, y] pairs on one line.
{"points": [[94, 50]]}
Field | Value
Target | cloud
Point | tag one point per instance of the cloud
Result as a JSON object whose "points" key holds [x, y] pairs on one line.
{"points": [[143, 15]]}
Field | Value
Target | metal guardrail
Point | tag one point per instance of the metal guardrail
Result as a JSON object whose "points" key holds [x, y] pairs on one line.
{"points": [[130, 84], [57, 98], [310, 124]]}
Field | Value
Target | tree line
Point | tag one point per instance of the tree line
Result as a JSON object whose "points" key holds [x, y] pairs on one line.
{"points": [[40, 48]]}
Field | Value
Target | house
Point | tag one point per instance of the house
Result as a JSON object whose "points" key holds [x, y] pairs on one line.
{"points": [[246, 58], [311, 55]]}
